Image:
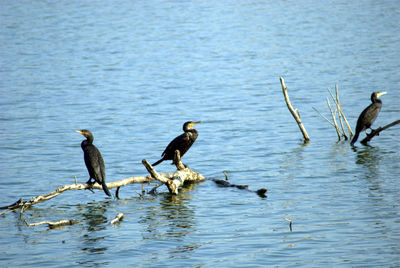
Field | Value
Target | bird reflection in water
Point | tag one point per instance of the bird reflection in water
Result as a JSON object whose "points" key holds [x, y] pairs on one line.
{"points": [[93, 215], [370, 158], [174, 217]]}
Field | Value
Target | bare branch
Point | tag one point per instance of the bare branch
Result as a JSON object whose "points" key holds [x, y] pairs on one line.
{"points": [[340, 109], [339, 112], [81, 186], [177, 161], [333, 118], [376, 132], [293, 112]]}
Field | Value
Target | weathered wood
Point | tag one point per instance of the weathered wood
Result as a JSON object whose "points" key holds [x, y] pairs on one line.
{"points": [[341, 113], [81, 186], [182, 175], [375, 132], [117, 218], [54, 224], [334, 119], [339, 131], [293, 112]]}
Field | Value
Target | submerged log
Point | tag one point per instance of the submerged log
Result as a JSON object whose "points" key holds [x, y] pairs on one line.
{"points": [[225, 183], [53, 225]]}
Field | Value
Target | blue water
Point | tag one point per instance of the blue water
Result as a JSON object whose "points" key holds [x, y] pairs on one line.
{"points": [[134, 71]]}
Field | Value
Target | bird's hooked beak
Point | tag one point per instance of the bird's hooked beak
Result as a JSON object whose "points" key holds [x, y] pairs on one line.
{"points": [[78, 131], [194, 123], [381, 93]]}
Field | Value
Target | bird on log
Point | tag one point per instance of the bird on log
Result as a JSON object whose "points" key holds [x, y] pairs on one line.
{"points": [[93, 160], [368, 116], [182, 143]]}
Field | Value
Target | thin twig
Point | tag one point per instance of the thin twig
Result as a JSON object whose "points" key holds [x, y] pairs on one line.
{"points": [[315, 109], [340, 109], [333, 118], [339, 112]]}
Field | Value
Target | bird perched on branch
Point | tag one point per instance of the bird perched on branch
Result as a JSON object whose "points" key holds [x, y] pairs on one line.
{"points": [[182, 143], [93, 160], [368, 116]]}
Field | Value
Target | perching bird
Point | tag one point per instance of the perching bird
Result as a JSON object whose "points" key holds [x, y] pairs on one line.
{"points": [[368, 116], [182, 143], [93, 160]]}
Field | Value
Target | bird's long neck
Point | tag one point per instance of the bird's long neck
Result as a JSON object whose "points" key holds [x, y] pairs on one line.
{"points": [[192, 134], [375, 99], [88, 141], [191, 130]]}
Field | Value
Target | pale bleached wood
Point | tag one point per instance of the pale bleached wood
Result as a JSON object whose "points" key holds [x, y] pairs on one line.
{"points": [[293, 112], [81, 186], [334, 119], [54, 224], [182, 175], [117, 218]]}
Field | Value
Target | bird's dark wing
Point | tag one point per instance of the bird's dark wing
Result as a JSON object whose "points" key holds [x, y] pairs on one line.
{"points": [[368, 116], [95, 164], [181, 143]]}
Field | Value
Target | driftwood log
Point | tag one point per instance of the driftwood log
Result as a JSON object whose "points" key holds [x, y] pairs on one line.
{"points": [[225, 183], [375, 132], [53, 225], [172, 180], [81, 186], [295, 113]]}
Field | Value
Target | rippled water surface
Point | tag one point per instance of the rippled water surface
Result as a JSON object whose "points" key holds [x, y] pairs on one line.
{"points": [[134, 71]]}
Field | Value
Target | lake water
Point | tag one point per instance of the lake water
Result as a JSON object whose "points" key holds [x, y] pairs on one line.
{"points": [[134, 71]]}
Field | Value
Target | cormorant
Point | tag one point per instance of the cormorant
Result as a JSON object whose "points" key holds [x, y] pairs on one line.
{"points": [[182, 143], [93, 160], [368, 116]]}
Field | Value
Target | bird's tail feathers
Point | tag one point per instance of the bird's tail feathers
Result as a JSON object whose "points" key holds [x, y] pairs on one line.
{"points": [[355, 138], [105, 188], [158, 162]]}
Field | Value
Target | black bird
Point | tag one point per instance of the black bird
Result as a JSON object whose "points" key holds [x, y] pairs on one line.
{"points": [[94, 161], [182, 143], [368, 116]]}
